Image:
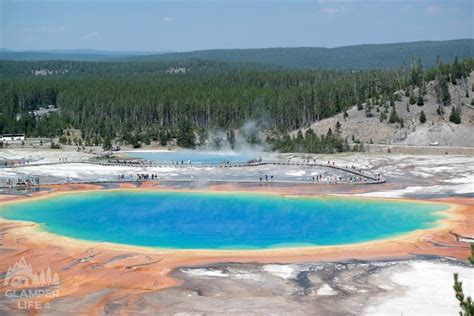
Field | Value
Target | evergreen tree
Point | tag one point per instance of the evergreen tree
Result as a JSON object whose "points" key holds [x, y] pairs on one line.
{"points": [[455, 116], [394, 118], [231, 138], [185, 137], [465, 303], [422, 117], [442, 91], [457, 71], [412, 98], [146, 139], [107, 145], [471, 257], [419, 100], [392, 102], [311, 141], [417, 73], [338, 127], [299, 141]]}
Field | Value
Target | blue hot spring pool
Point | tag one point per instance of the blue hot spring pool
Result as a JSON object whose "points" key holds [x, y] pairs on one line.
{"points": [[196, 157], [196, 220]]}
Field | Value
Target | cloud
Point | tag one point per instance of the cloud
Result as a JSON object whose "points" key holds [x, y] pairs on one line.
{"points": [[433, 9], [91, 35], [331, 10], [167, 19]]}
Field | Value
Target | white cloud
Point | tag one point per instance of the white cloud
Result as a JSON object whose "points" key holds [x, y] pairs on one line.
{"points": [[167, 19], [91, 35]]}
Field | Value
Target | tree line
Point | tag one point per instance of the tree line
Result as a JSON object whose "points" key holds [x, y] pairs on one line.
{"points": [[133, 106]]}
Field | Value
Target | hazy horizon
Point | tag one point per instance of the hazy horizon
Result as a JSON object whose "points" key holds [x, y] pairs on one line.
{"points": [[188, 25], [92, 50]]}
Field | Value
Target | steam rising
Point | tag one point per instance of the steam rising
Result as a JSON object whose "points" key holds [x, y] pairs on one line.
{"points": [[249, 139]]}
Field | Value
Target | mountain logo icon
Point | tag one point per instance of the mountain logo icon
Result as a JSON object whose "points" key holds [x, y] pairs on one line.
{"points": [[22, 275]]}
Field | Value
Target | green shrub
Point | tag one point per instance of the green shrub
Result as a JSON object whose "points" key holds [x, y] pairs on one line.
{"points": [[422, 117]]}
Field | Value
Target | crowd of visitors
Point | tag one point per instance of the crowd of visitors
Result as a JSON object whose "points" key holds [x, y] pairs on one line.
{"points": [[21, 182]]}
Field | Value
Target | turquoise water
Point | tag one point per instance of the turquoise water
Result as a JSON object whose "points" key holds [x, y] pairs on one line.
{"points": [[195, 220], [196, 157]]}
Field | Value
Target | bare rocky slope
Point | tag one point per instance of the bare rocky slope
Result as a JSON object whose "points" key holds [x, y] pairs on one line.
{"points": [[436, 128]]}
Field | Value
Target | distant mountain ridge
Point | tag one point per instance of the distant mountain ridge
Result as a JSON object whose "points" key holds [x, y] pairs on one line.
{"points": [[94, 52], [71, 54], [347, 57], [365, 56]]}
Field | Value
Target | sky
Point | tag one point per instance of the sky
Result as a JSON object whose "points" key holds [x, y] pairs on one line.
{"points": [[184, 25]]}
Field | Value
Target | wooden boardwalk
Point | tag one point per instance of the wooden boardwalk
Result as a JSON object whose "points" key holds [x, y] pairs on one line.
{"points": [[368, 178]]}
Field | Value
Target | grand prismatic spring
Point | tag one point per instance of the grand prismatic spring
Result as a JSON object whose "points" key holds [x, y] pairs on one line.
{"points": [[204, 220]]}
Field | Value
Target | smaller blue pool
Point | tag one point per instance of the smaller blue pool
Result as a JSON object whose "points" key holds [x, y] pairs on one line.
{"points": [[194, 156]]}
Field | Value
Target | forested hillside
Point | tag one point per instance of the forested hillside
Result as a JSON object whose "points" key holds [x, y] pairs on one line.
{"points": [[135, 103], [87, 68], [437, 107], [346, 57]]}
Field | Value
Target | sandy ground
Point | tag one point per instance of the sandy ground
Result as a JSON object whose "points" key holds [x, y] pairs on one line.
{"points": [[416, 283], [334, 288], [410, 275]]}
